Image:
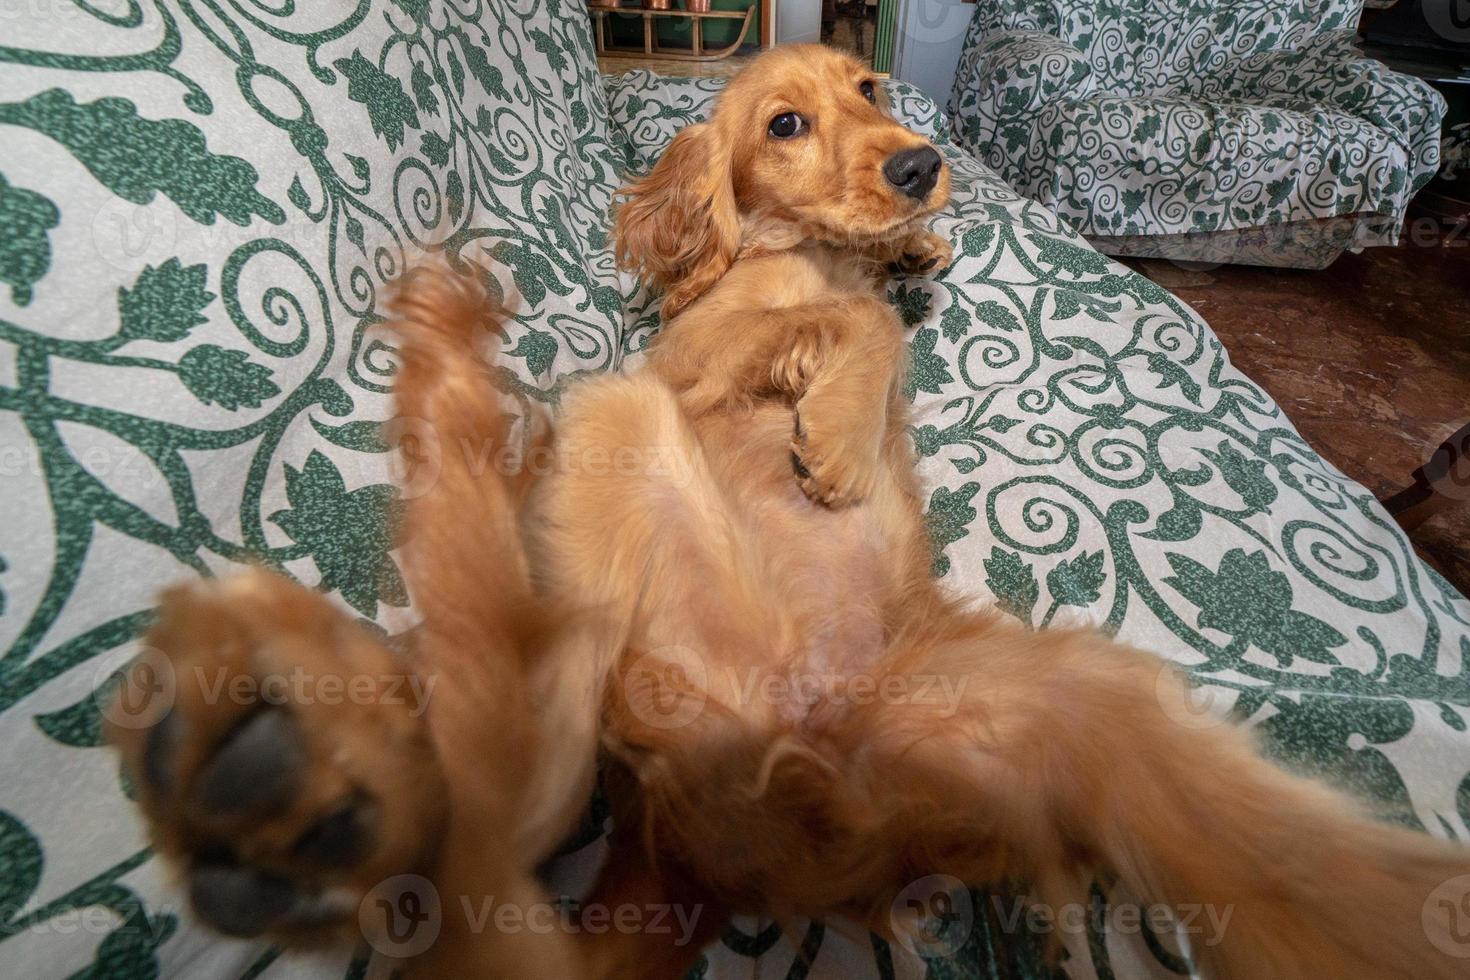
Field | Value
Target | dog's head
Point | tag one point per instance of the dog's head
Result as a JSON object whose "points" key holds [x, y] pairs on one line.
{"points": [[801, 147]]}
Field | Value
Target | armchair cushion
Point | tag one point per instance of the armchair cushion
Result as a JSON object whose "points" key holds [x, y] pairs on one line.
{"points": [[202, 209], [1127, 166], [1331, 72]]}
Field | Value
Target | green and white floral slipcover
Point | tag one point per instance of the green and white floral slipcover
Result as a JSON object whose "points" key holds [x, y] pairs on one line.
{"points": [[1455, 152], [202, 201], [1248, 131]]}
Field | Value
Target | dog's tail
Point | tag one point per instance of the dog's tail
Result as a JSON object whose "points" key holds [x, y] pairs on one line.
{"points": [[1090, 756], [1282, 878]]}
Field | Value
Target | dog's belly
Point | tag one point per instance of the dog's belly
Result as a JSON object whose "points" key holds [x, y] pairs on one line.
{"points": [[831, 569]]}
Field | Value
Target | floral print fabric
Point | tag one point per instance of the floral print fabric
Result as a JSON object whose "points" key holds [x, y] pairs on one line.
{"points": [[204, 203], [1172, 119]]}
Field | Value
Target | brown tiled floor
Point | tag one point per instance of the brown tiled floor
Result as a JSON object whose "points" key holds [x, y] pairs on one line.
{"points": [[1370, 358]]}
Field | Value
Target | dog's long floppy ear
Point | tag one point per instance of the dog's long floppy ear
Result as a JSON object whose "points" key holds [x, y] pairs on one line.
{"points": [[679, 227]]}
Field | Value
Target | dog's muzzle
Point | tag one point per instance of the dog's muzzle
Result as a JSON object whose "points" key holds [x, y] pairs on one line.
{"points": [[913, 173]]}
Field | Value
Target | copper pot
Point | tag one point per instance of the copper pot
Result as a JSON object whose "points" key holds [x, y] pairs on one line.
{"points": [[657, 4], [604, 3], [697, 6]]}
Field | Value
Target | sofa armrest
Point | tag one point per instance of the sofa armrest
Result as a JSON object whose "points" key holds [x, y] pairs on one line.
{"points": [[917, 111], [1333, 73], [1004, 79]]}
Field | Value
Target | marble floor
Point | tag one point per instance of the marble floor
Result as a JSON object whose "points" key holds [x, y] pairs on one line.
{"points": [[1370, 358]]}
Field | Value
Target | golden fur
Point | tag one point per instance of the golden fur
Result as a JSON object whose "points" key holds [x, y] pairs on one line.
{"points": [[745, 507]]}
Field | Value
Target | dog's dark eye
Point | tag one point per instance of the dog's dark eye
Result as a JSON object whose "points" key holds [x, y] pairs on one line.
{"points": [[786, 125], [868, 92]]}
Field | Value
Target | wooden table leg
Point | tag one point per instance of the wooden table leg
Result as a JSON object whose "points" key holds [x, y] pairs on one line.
{"points": [[698, 36], [1440, 484], [648, 34]]}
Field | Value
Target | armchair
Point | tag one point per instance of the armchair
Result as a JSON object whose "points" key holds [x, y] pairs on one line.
{"points": [[1241, 131]]}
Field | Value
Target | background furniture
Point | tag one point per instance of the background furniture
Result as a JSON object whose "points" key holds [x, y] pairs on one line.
{"points": [[602, 31], [1426, 40], [1249, 132], [675, 34], [193, 371], [1439, 485]]}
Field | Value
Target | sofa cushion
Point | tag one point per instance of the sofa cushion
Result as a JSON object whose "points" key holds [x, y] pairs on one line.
{"points": [[203, 204]]}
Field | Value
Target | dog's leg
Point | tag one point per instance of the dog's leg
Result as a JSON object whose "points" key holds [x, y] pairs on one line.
{"points": [[675, 917], [294, 768], [1056, 755], [280, 757], [845, 408], [839, 361], [921, 254]]}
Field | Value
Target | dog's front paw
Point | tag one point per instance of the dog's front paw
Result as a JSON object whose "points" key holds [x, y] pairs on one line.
{"points": [[279, 757], [833, 467], [923, 254]]}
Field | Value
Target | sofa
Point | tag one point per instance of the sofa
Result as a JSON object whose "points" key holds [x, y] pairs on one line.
{"points": [[204, 205], [1246, 131]]}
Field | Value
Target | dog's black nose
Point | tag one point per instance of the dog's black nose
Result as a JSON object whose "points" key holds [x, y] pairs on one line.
{"points": [[914, 172]]}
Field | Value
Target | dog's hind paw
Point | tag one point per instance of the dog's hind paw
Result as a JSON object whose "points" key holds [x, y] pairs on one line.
{"points": [[279, 756]]}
